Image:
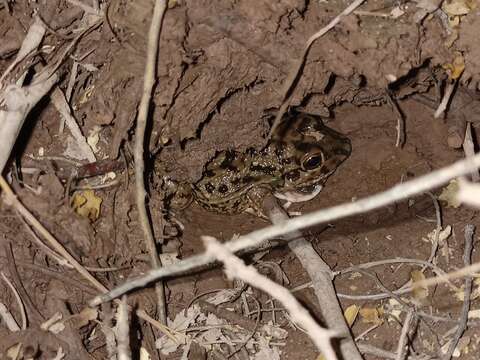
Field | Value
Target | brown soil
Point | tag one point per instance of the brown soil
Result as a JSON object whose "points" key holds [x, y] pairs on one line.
{"points": [[222, 66]]}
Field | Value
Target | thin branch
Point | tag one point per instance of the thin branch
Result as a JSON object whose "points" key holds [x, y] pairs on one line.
{"points": [[469, 149], [436, 239], [122, 331], [11, 200], [149, 82], [451, 85], [8, 319], [21, 306], [294, 77], [467, 260], [236, 268], [402, 342], [256, 238], [368, 265], [321, 275]]}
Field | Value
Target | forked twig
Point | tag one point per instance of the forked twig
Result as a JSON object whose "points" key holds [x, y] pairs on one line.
{"points": [[321, 276], [12, 200], [236, 268], [256, 238]]}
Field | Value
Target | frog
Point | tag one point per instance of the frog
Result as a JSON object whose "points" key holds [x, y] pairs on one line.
{"points": [[298, 159]]}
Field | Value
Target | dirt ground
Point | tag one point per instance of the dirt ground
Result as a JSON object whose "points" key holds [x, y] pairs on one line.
{"points": [[222, 67]]}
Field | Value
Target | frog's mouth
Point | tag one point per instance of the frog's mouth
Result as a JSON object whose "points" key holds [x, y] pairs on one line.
{"points": [[300, 196], [308, 189]]}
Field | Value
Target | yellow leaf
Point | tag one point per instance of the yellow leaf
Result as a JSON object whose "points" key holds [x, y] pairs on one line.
{"points": [[458, 7], [87, 204], [419, 292], [455, 69], [449, 194], [372, 315], [350, 314]]}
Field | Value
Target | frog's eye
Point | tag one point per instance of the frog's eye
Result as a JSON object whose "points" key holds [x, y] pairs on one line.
{"points": [[312, 161]]}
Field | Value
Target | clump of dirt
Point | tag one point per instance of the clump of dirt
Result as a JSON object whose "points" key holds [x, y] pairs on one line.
{"points": [[377, 77]]}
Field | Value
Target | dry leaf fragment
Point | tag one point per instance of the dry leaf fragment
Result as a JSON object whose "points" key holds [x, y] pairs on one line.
{"points": [[350, 314], [450, 194], [456, 67], [460, 294], [144, 354], [14, 352], [474, 314], [83, 318], [93, 138], [372, 315], [458, 7], [394, 309], [462, 347], [87, 204], [420, 293]]}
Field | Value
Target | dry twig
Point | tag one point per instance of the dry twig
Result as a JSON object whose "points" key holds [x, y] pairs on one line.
{"points": [[438, 214], [469, 149], [8, 319], [451, 85], [236, 268], [61, 104], [12, 200], [19, 301], [467, 260], [122, 331], [402, 341], [256, 238], [149, 81], [30, 43], [292, 80], [321, 276]]}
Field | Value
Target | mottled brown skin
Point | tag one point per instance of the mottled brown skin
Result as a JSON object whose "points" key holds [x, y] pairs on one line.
{"points": [[301, 154]]}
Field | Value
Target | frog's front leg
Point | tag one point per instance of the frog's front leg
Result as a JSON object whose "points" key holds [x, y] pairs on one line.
{"points": [[255, 197], [178, 195]]}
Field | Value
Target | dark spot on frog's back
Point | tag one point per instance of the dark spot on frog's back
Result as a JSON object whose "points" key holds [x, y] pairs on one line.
{"points": [[223, 188], [209, 187]]}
